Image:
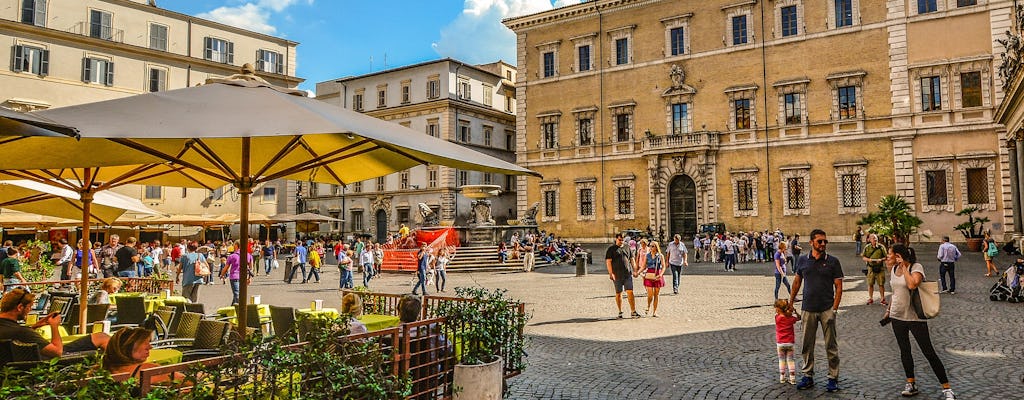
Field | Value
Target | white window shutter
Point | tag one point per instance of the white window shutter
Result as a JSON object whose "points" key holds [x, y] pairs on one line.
{"points": [[44, 63], [86, 69], [207, 48], [19, 59], [109, 81], [231, 52], [259, 61]]}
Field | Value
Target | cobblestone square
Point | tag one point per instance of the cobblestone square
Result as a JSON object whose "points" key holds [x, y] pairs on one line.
{"points": [[715, 340]]}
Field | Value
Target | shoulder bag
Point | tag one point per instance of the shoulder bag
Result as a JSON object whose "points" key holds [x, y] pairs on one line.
{"points": [[202, 267], [653, 276], [925, 299]]}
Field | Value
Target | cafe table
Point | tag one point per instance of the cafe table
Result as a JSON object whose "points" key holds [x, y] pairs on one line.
{"points": [[164, 356], [152, 301], [321, 313], [45, 332], [376, 322], [229, 311]]}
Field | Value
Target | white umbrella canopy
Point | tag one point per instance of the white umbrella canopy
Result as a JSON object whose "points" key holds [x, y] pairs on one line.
{"points": [[38, 198], [244, 132], [14, 123], [12, 219]]}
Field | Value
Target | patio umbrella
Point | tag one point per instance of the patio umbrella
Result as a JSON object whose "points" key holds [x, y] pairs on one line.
{"points": [[244, 132], [307, 221], [14, 123], [18, 219], [38, 198]]}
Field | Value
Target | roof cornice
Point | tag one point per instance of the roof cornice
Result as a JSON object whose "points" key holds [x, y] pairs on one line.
{"points": [[579, 10]]}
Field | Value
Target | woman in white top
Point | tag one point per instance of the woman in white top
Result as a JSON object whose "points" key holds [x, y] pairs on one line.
{"points": [[907, 274], [440, 266]]}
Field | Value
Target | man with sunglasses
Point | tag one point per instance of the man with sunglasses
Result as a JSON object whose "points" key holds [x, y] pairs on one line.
{"points": [[15, 306], [821, 277], [621, 271]]}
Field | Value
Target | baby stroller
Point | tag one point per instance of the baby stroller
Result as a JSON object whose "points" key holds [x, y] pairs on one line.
{"points": [[1008, 287]]}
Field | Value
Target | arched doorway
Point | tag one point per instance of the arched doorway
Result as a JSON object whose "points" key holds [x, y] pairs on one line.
{"points": [[682, 206], [382, 226]]}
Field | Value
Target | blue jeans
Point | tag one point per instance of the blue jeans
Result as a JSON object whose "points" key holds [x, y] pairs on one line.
{"points": [[313, 271], [296, 268], [860, 247], [126, 274], [346, 279], [421, 281], [677, 271], [234, 291], [367, 274], [440, 278], [268, 264], [730, 261], [781, 280], [502, 256], [944, 268]]}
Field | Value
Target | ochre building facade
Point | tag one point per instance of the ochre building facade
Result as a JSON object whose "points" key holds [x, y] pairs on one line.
{"points": [[782, 114]]}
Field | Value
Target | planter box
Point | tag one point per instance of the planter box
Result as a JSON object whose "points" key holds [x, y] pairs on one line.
{"points": [[479, 382], [975, 244]]}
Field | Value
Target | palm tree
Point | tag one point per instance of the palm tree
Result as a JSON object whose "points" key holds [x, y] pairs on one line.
{"points": [[894, 219]]}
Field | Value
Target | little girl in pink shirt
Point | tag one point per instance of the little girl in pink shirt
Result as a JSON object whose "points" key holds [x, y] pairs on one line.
{"points": [[785, 339]]}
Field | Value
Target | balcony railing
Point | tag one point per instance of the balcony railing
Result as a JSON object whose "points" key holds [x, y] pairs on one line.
{"points": [[105, 32], [681, 141]]}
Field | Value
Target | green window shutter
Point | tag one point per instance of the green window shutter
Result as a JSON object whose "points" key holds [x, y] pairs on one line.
{"points": [[86, 69]]}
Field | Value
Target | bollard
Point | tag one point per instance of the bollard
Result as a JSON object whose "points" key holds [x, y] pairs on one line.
{"points": [[581, 265]]}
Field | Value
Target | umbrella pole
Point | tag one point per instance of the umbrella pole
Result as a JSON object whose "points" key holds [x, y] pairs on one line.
{"points": [[244, 187], [86, 197]]}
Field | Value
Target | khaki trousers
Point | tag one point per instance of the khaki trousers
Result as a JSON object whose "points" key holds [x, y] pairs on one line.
{"points": [[827, 320]]}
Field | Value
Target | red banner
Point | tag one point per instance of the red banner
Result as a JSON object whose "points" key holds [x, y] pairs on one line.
{"points": [[428, 237]]}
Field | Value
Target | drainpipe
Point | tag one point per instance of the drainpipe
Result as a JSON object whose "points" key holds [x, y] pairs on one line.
{"points": [[764, 96], [188, 53], [455, 192], [600, 112]]}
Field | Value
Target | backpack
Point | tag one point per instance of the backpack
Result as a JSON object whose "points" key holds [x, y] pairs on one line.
{"points": [[992, 249]]}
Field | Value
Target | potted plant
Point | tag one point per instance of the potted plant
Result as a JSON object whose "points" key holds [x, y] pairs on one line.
{"points": [[486, 330], [892, 220], [973, 229]]}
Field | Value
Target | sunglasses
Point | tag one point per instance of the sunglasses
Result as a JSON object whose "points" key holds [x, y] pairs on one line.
{"points": [[821, 241]]}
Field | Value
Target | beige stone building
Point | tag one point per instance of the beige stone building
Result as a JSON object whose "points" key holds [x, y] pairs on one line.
{"points": [[472, 105], [786, 114], [66, 52]]}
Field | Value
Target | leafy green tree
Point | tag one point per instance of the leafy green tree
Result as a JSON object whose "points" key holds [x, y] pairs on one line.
{"points": [[894, 219]]}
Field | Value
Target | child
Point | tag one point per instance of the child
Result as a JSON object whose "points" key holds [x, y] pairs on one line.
{"points": [[785, 318]]}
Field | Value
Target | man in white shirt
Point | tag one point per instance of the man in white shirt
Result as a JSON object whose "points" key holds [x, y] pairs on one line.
{"points": [[67, 254], [677, 258]]}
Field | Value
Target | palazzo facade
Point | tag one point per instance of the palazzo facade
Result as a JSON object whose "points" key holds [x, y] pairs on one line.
{"points": [[787, 114]]}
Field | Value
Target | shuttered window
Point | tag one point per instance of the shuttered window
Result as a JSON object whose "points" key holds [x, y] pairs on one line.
{"points": [[96, 70], [31, 59], [219, 50]]}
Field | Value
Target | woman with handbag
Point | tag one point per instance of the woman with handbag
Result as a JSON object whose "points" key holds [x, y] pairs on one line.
{"points": [[907, 275], [991, 251], [654, 277]]}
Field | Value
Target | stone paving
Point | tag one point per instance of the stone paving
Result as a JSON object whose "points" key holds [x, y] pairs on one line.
{"points": [[715, 340]]}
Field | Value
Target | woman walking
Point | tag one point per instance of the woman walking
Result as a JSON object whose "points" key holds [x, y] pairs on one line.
{"points": [[654, 277], [440, 268], [907, 274], [780, 270], [990, 251]]}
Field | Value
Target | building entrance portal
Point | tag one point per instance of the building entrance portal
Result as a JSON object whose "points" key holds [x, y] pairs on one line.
{"points": [[382, 226], [682, 206]]}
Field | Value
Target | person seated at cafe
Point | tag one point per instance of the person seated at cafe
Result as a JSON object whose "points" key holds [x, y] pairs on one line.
{"points": [[127, 352], [351, 304], [15, 306], [429, 353], [108, 287]]}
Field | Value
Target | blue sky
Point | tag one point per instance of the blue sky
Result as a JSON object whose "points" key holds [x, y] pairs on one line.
{"points": [[339, 37]]}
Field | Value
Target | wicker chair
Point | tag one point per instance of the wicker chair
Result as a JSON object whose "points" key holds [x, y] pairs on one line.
{"points": [[253, 319], [179, 307], [185, 335], [93, 313], [209, 337], [41, 304], [58, 305], [283, 320], [21, 351], [131, 310]]}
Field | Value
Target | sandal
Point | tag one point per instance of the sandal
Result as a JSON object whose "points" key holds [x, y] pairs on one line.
{"points": [[620, 314], [883, 302], [636, 315], [871, 301]]}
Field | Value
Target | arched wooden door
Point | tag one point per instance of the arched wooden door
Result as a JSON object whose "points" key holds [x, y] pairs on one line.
{"points": [[382, 226], [682, 206]]}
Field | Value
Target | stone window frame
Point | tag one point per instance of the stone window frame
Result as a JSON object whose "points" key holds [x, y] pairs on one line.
{"points": [[433, 175], [801, 25], [628, 181], [433, 123], [859, 168], [406, 91], [793, 86], [580, 41], [616, 109], [622, 32], [918, 73], [796, 171], [678, 98], [588, 183], [743, 174], [433, 87], [747, 92], [923, 166], [382, 95], [678, 21], [544, 48], [549, 117], [989, 164], [549, 186], [844, 79], [359, 99], [735, 10], [403, 179], [912, 9], [831, 20], [488, 94], [488, 135], [580, 114], [983, 65]]}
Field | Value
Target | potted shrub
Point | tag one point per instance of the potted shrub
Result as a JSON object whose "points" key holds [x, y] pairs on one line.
{"points": [[894, 219], [973, 229], [485, 332]]}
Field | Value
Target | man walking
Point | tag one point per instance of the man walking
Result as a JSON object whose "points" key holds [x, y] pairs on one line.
{"points": [[529, 258], [874, 257], [107, 259], [948, 254], [677, 258], [301, 255], [822, 294], [620, 271], [67, 254], [422, 266], [127, 256]]}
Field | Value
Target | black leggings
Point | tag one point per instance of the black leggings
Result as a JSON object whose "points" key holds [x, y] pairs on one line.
{"points": [[902, 330]]}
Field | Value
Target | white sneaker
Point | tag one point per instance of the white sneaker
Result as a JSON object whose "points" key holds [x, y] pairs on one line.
{"points": [[947, 394], [782, 378], [909, 390]]}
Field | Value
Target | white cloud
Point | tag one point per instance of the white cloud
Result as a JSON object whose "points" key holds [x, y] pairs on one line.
{"points": [[251, 16], [477, 35]]}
